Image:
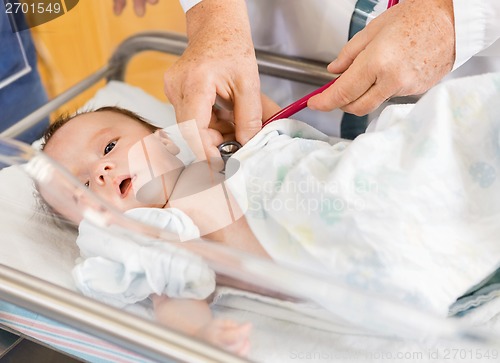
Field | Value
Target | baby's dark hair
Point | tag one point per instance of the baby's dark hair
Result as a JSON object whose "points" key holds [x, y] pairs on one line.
{"points": [[65, 118]]}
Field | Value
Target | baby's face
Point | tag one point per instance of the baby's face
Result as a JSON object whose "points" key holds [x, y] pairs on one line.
{"points": [[95, 148]]}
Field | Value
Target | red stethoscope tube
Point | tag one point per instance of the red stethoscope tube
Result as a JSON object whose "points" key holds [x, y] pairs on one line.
{"points": [[391, 3], [300, 104]]}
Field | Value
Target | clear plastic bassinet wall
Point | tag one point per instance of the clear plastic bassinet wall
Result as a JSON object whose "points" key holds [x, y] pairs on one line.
{"points": [[183, 275]]}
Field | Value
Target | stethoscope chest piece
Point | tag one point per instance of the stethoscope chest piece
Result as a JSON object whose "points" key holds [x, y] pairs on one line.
{"points": [[227, 149]]}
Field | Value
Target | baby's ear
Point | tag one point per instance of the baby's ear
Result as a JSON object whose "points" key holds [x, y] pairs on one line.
{"points": [[171, 147]]}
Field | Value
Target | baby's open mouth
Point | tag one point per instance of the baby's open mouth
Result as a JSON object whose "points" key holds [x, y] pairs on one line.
{"points": [[125, 186]]}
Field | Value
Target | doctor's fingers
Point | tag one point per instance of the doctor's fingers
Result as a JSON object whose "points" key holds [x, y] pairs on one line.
{"points": [[139, 6], [384, 62], [222, 122], [248, 114], [375, 96], [353, 48], [376, 30], [193, 96], [349, 87], [193, 114], [118, 6]]}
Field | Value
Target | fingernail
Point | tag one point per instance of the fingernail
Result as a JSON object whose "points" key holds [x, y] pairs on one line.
{"points": [[139, 11], [251, 129], [332, 66], [310, 104]]}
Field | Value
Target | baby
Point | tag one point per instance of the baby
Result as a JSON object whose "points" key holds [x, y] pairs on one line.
{"points": [[100, 149], [404, 210]]}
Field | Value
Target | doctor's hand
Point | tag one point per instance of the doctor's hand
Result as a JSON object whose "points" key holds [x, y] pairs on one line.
{"points": [[219, 60], [404, 51], [139, 6], [222, 123]]}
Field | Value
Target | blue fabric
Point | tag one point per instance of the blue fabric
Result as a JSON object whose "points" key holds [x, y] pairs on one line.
{"points": [[359, 17], [64, 337], [352, 125], [22, 96], [485, 292]]}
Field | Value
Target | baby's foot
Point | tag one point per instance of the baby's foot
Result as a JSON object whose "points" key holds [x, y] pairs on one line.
{"points": [[228, 334]]}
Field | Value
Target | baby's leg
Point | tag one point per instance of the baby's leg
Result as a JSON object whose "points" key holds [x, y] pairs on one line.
{"points": [[227, 334], [194, 318]]}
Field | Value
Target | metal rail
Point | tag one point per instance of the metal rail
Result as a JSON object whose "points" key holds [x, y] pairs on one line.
{"points": [[295, 69], [118, 327], [42, 112]]}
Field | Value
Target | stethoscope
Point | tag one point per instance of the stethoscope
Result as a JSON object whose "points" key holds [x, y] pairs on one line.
{"points": [[228, 148]]}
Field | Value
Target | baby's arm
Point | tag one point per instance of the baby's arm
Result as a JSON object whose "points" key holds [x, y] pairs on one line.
{"points": [[194, 318]]}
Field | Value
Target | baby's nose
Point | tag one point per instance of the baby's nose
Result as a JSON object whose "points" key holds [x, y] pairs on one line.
{"points": [[102, 172]]}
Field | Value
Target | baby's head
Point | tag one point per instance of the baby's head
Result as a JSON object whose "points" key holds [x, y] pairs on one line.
{"points": [[115, 153]]}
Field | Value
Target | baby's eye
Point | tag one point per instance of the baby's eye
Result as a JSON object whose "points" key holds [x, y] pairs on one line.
{"points": [[87, 184], [109, 147]]}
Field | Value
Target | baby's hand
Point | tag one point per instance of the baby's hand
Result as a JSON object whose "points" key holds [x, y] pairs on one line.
{"points": [[227, 334]]}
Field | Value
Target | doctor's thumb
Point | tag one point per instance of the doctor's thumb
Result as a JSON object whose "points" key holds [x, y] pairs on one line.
{"points": [[338, 65], [246, 130], [247, 116]]}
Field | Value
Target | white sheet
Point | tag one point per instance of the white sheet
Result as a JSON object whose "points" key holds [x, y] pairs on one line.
{"points": [[31, 242], [405, 210], [122, 271]]}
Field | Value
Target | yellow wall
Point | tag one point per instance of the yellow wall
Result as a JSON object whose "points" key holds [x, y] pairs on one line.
{"points": [[82, 40]]}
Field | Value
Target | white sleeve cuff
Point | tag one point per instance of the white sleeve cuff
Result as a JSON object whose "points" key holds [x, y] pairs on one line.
{"points": [[188, 4], [476, 27]]}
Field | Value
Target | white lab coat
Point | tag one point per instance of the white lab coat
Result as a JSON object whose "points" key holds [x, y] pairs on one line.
{"points": [[318, 29]]}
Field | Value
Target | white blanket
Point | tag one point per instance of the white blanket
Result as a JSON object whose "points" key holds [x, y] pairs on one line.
{"points": [[411, 209], [121, 271]]}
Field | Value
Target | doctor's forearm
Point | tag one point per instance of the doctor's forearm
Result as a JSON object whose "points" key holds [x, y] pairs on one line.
{"points": [[221, 20]]}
